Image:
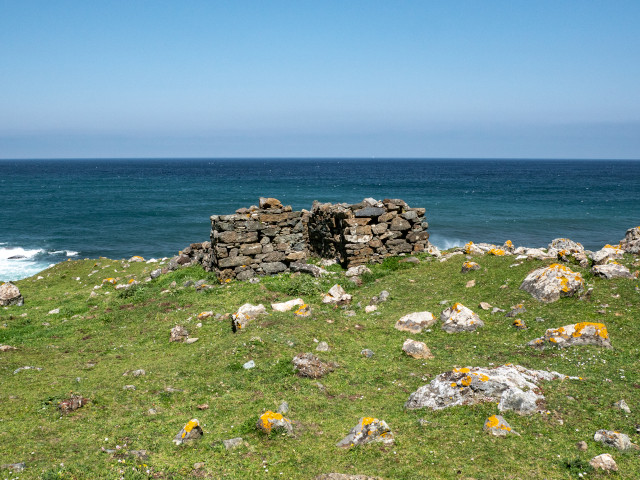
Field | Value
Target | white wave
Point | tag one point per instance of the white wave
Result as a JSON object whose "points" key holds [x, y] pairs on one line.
{"points": [[17, 263], [18, 252], [445, 243], [68, 253], [71, 253]]}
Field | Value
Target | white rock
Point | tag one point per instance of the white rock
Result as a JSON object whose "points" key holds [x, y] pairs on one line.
{"points": [[459, 318], [356, 271], [287, 306], [415, 322], [604, 462]]}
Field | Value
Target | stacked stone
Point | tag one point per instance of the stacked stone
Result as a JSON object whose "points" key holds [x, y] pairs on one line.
{"points": [[257, 240], [200, 253], [368, 231]]}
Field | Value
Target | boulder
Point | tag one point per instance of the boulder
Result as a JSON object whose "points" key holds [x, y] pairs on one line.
{"points": [[497, 426], [308, 365], [245, 314], [583, 333], [357, 271], [606, 253], [459, 318], [190, 432], [548, 284], [631, 241], [611, 270], [415, 322], [416, 349], [178, 334], [10, 295], [304, 311], [613, 439], [604, 462], [286, 306], [512, 386], [566, 245], [270, 421], [337, 296], [367, 430], [266, 203], [468, 266]]}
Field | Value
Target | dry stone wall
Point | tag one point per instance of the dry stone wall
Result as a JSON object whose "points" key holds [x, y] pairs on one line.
{"points": [[267, 239]]}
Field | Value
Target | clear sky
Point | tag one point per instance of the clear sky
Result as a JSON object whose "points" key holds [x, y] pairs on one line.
{"points": [[512, 78]]}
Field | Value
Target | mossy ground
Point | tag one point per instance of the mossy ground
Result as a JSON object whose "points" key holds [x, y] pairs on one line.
{"points": [[92, 342]]}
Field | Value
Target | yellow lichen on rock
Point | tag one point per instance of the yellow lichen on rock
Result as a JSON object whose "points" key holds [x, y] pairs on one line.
{"points": [[267, 418], [498, 252], [600, 329], [191, 424], [467, 247]]}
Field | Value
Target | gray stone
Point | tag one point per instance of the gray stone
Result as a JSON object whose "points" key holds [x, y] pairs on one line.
{"points": [[313, 270], [604, 462], [234, 261], [232, 443], [415, 322], [155, 273], [611, 270], [189, 433], [631, 241], [15, 467], [368, 430], [583, 333], [606, 253], [548, 284], [369, 212], [273, 267], [10, 295], [622, 405], [247, 274], [497, 426], [367, 353], [178, 334], [416, 349], [249, 365], [308, 365], [516, 310], [459, 318], [322, 347], [271, 421], [613, 439], [399, 224], [564, 244]]}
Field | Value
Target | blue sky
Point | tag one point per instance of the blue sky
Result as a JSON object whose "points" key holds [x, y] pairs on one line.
{"points": [[516, 79]]}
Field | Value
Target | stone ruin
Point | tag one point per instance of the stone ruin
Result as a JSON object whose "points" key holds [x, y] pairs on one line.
{"points": [[269, 238]]}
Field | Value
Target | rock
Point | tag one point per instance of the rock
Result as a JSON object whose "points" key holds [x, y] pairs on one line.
{"points": [[313, 270], [604, 462], [190, 432], [370, 308], [245, 314], [611, 270], [369, 212], [337, 295], [470, 283], [459, 318], [516, 310], [129, 387], [383, 297], [72, 403], [468, 266], [472, 385], [631, 241], [484, 305], [155, 273], [564, 244], [357, 271], [283, 408], [304, 311], [266, 203], [519, 324], [548, 284], [367, 353], [582, 446], [136, 258], [55, 311], [15, 467], [416, 349], [203, 406], [622, 405], [415, 322], [606, 253], [433, 251], [584, 333], [613, 439], [497, 426], [6, 348], [519, 401], [178, 334], [232, 443], [10, 295], [322, 347], [189, 341], [367, 430], [249, 365], [286, 306], [308, 365], [270, 421]]}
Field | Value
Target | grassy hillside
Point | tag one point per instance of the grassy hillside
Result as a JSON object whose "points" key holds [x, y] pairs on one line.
{"points": [[87, 347]]}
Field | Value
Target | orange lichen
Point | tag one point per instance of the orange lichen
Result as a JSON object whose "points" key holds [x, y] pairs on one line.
{"points": [[600, 329], [467, 247], [268, 417], [508, 244], [367, 421], [466, 381], [498, 252], [110, 280], [461, 370], [191, 424], [494, 422]]}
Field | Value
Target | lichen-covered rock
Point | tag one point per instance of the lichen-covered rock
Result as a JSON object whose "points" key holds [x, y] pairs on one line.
{"points": [[468, 266], [613, 439], [583, 333], [416, 349], [519, 324], [308, 365], [337, 296], [567, 245], [604, 462], [471, 385], [548, 284], [497, 426], [304, 311], [286, 306], [459, 318], [631, 241], [245, 314], [178, 334], [367, 430], [72, 403], [415, 322], [381, 298], [270, 421], [471, 248], [516, 310], [10, 295], [606, 253], [190, 432], [611, 270], [622, 405]]}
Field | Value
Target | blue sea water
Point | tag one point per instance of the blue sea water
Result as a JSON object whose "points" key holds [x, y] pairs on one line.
{"points": [[58, 209]]}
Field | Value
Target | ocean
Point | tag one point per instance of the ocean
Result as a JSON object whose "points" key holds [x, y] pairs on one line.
{"points": [[53, 210]]}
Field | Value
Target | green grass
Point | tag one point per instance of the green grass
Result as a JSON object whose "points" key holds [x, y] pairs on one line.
{"points": [[93, 341]]}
